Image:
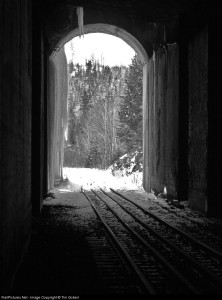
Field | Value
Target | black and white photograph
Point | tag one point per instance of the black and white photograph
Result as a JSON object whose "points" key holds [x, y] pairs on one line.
{"points": [[110, 148]]}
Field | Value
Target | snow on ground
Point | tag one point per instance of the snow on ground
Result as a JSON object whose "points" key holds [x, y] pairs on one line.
{"points": [[86, 179]]}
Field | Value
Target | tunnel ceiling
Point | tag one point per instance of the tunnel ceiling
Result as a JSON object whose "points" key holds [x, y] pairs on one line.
{"points": [[135, 16], [159, 11]]}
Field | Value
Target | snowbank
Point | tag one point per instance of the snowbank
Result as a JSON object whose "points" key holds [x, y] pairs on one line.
{"points": [[86, 179]]}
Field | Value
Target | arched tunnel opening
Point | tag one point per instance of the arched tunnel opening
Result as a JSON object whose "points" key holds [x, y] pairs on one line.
{"points": [[160, 112], [104, 126], [178, 45], [169, 128]]}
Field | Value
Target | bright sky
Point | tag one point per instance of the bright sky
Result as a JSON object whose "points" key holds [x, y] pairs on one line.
{"points": [[108, 49]]}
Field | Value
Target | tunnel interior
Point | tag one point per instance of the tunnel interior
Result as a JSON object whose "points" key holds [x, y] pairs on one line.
{"points": [[179, 45]]}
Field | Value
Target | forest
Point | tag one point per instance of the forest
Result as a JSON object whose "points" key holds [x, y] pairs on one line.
{"points": [[104, 113]]}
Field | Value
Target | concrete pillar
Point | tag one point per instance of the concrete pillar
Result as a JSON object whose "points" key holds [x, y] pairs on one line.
{"points": [[57, 115], [51, 122], [161, 122], [146, 175]]}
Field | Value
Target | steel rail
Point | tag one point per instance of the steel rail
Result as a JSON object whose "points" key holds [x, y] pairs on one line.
{"points": [[185, 234], [153, 250], [146, 284], [201, 268]]}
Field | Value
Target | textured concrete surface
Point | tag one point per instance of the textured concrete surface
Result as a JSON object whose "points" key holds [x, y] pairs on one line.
{"points": [[57, 115], [15, 136], [161, 151], [198, 121]]}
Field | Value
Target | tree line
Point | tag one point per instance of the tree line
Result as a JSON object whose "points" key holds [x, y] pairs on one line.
{"points": [[104, 112]]}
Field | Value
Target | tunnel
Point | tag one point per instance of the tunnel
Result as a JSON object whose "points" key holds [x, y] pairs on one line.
{"points": [[179, 44]]}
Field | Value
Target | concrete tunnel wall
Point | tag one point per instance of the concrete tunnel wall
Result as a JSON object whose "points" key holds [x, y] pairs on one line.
{"points": [[57, 115], [15, 136], [198, 121], [161, 122]]}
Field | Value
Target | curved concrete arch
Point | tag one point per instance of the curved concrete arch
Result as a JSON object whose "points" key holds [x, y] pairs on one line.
{"points": [[107, 29], [139, 49]]}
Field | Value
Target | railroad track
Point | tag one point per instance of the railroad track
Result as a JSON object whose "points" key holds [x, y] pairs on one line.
{"points": [[114, 276], [163, 259], [196, 228]]}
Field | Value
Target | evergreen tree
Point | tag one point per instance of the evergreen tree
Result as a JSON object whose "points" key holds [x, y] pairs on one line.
{"points": [[85, 103], [130, 115]]}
